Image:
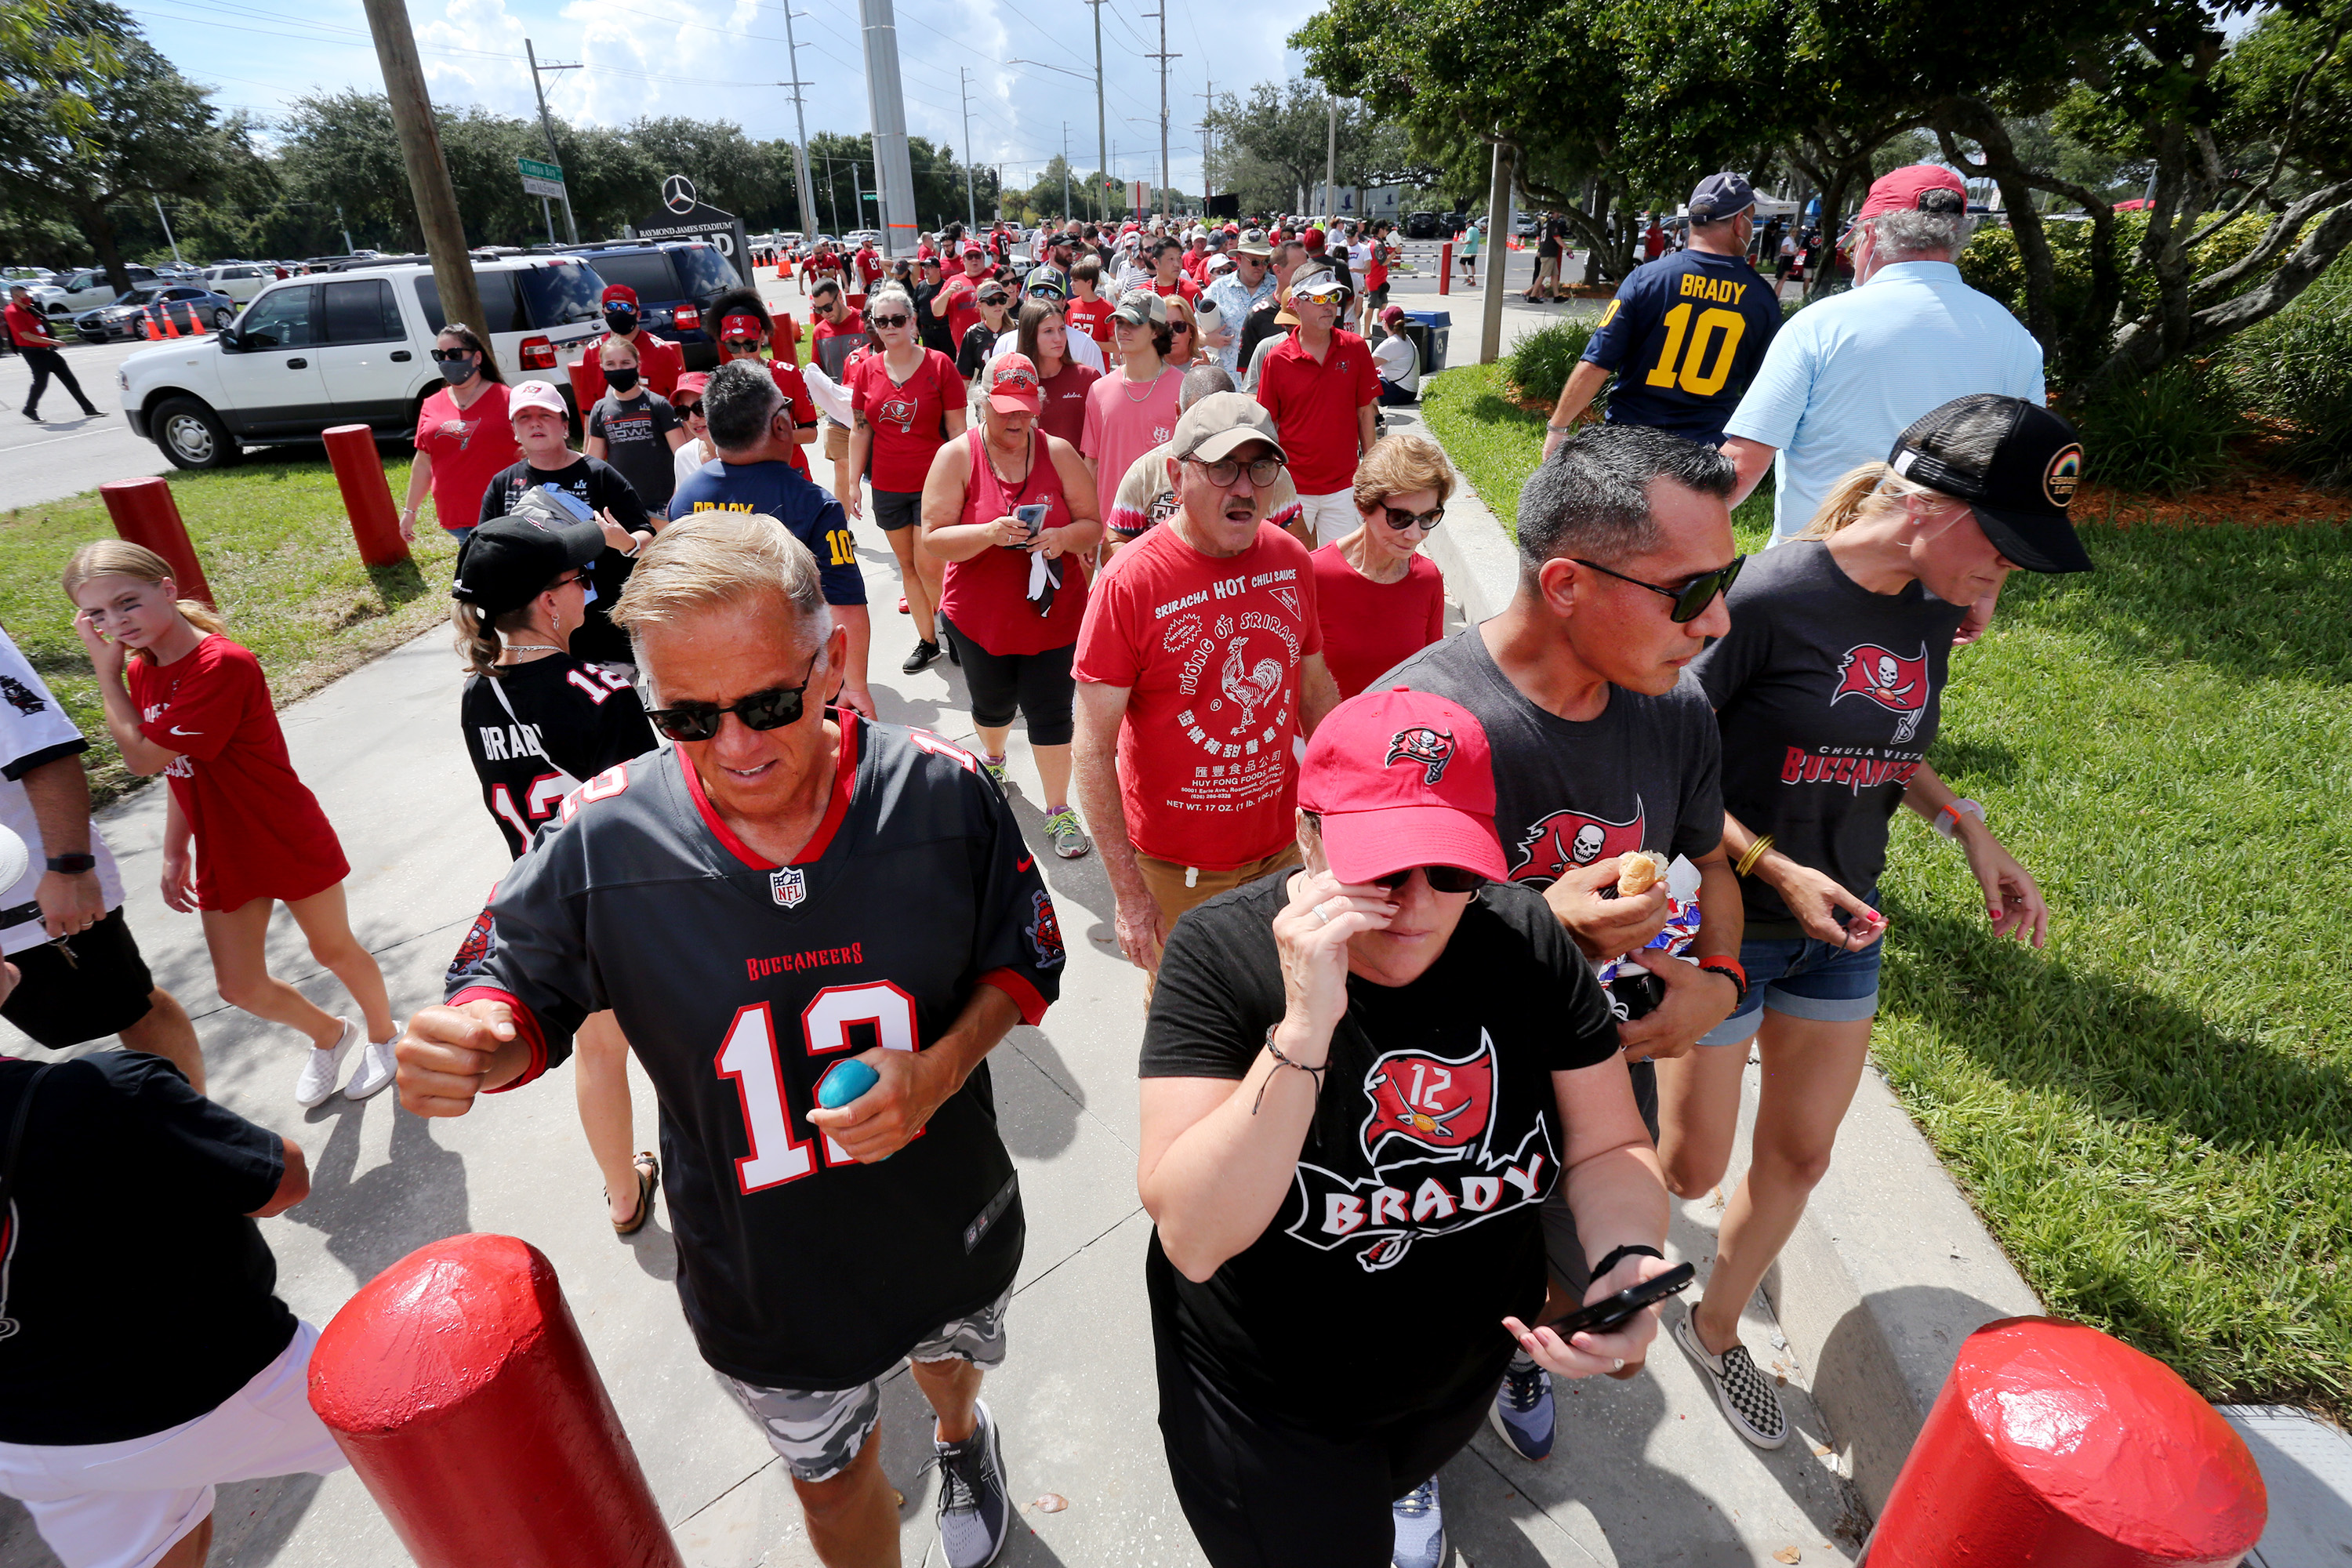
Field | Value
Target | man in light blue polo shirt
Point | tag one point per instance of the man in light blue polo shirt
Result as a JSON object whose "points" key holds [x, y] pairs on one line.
{"points": [[1847, 375]]}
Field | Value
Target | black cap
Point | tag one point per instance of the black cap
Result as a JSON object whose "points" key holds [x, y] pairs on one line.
{"points": [[2014, 462], [511, 560]]}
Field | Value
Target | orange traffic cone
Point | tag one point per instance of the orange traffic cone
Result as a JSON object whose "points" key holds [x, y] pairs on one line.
{"points": [[170, 328], [196, 323]]}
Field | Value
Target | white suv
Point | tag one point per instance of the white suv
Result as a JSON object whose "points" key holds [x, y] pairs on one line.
{"points": [[348, 347]]}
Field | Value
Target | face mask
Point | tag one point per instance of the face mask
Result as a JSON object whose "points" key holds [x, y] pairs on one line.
{"points": [[621, 321], [458, 371], [587, 593], [622, 379]]}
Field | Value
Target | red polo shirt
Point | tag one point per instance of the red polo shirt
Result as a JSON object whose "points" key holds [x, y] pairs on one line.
{"points": [[1314, 408], [25, 328]]}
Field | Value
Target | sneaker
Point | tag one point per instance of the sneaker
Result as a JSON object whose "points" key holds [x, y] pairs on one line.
{"points": [[926, 655], [1070, 840], [902, 605], [1522, 1412], [376, 1070], [319, 1074], [1749, 1400], [975, 1514], [994, 768], [1420, 1529]]}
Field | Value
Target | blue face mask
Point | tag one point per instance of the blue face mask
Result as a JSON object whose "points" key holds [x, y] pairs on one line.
{"points": [[458, 372]]}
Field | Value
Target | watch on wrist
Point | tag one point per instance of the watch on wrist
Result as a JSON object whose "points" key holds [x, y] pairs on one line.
{"points": [[72, 865]]}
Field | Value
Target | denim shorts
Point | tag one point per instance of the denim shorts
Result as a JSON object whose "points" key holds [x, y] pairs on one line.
{"points": [[1802, 978]]}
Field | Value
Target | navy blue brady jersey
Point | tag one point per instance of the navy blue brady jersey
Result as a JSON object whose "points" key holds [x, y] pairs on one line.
{"points": [[808, 511], [1684, 336], [739, 982]]}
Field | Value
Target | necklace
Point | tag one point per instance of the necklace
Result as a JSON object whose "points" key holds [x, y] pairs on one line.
{"points": [[1147, 386], [1028, 470]]}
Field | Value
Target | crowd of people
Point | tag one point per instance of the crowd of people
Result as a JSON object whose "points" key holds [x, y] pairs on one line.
{"points": [[1454, 946]]}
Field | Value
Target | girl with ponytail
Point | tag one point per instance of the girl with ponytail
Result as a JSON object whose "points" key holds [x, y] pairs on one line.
{"points": [[184, 700]]}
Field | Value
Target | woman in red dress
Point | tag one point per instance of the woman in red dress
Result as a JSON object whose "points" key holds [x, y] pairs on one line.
{"points": [[185, 702]]}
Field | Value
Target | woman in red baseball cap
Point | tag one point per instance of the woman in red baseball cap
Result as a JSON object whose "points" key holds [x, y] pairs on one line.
{"points": [[1360, 1079]]}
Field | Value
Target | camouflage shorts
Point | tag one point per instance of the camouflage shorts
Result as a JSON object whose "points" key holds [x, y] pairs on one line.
{"points": [[817, 1432]]}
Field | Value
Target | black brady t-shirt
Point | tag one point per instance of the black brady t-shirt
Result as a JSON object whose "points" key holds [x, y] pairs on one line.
{"points": [[561, 722], [1829, 696], [135, 1292], [600, 486], [636, 432], [1412, 1227]]}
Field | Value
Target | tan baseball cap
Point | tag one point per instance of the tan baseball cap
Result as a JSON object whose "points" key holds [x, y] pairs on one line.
{"points": [[1222, 424]]}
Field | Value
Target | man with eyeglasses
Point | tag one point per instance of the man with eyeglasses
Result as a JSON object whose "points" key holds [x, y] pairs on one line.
{"points": [[1321, 386], [1240, 291], [1200, 664], [1603, 743], [740, 903]]}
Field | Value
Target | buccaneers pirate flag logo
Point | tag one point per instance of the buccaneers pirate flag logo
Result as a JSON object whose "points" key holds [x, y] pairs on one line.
{"points": [[1898, 684], [1567, 838]]}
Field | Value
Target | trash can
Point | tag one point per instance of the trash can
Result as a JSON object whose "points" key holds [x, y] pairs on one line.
{"points": [[1429, 330]]}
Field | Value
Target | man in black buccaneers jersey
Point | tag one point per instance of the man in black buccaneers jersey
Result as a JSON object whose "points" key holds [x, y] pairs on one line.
{"points": [[739, 902]]}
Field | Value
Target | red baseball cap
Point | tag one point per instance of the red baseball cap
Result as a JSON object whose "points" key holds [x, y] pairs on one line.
{"points": [[691, 384], [972, 248], [1012, 385], [620, 292], [1905, 190], [741, 327], [1401, 779], [1314, 239]]}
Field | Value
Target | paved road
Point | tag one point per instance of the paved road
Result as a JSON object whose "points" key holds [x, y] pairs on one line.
{"points": [[66, 452]]}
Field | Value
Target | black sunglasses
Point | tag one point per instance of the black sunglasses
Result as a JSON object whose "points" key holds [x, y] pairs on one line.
{"points": [[1442, 878], [442, 356], [771, 710], [887, 321], [1693, 597], [742, 345], [1400, 519]]}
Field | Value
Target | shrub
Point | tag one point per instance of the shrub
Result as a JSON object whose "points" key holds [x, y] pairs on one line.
{"points": [[1541, 363], [2161, 435], [2296, 368]]}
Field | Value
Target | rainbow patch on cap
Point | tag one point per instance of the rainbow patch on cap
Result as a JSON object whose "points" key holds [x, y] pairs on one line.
{"points": [[2065, 471]]}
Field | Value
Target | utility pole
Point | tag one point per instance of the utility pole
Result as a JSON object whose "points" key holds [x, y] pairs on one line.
{"points": [[894, 174], [428, 172], [1208, 107], [175, 244], [1163, 57], [1067, 214], [1102, 159], [345, 224], [970, 203], [799, 123], [548, 126], [1330, 155], [1498, 219]]}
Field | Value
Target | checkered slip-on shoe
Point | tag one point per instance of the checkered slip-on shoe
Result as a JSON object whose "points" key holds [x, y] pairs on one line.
{"points": [[1749, 1401]]}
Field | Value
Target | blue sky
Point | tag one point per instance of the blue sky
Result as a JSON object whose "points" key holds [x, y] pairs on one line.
{"points": [[719, 61]]}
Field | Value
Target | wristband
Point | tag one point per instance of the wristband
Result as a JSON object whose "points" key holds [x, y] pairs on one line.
{"points": [[1747, 862], [1948, 821], [1559, 429], [72, 865], [1723, 964], [1610, 1260]]}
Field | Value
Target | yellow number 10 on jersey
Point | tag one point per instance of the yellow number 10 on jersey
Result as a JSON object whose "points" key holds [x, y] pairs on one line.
{"points": [[1676, 366]]}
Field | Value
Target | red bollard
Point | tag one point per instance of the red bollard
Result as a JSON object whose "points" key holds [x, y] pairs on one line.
{"points": [[458, 1385], [144, 513], [367, 495], [2052, 1443], [1446, 267]]}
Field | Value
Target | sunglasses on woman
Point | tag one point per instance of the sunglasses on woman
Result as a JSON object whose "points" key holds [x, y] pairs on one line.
{"points": [[442, 356], [742, 345], [1693, 597], [1442, 878], [887, 321], [688, 410], [771, 710], [1175, 327], [1400, 519]]}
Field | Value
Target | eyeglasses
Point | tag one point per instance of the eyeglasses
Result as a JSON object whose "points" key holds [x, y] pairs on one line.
{"points": [[887, 321], [1400, 519], [1262, 471], [1442, 878], [742, 345], [688, 410], [771, 710], [442, 356], [1180, 326], [574, 578], [1693, 597]]}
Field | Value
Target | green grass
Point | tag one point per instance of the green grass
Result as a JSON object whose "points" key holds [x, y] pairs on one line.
{"points": [[2154, 1115], [277, 548]]}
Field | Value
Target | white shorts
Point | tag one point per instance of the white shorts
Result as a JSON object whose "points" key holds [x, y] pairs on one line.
{"points": [[124, 1505], [1331, 517]]}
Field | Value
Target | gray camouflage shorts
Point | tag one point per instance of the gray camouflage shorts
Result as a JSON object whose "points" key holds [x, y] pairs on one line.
{"points": [[816, 1432]]}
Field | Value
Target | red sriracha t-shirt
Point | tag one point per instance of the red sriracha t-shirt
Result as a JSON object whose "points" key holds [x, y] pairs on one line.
{"points": [[659, 364], [907, 417], [1208, 648], [1369, 629], [468, 446], [1091, 317], [257, 831], [1314, 408], [987, 596]]}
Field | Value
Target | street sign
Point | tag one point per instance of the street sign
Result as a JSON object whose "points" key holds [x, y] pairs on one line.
{"points": [[540, 179]]}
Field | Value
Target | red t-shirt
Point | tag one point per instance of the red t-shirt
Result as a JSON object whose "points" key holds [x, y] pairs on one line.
{"points": [[468, 446], [1376, 270], [987, 596], [907, 417], [1091, 317], [25, 328], [1063, 409], [1314, 406], [258, 833], [963, 304], [831, 345], [1369, 629], [796, 394], [1208, 648], [659, 364], [1183, 286], [869, 265]]}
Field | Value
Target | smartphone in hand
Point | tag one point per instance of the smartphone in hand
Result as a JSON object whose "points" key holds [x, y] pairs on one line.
{"points": [[1611, 1311], [1032, 516]]}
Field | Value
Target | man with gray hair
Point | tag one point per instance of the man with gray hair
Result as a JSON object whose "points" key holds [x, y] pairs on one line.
{"points": [[1603, 744], [840, 1199], [1849, 373], [751, 424]]}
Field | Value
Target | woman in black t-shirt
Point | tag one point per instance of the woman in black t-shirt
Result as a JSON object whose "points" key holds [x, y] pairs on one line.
{"points": [[1360, 1080], [1828, 692]]}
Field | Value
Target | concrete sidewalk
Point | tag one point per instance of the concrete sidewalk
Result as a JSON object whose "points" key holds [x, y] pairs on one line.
{"points": [[1646, 1471]]}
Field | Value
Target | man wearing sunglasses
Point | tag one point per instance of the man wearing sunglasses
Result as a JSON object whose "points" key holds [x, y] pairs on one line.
{"points": [[659, 360], [1321, 386], [738, 323], [742, 903], [1602, 745]]}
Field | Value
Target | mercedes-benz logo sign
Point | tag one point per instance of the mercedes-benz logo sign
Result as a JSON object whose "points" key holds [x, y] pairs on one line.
{"points": [[677, 194]]}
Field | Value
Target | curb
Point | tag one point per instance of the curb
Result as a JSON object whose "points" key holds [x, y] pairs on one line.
{"points": [[1890, 1268]]}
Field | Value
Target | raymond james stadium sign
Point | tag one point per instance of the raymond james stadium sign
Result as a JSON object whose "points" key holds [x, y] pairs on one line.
{"points": [[682, 215]]}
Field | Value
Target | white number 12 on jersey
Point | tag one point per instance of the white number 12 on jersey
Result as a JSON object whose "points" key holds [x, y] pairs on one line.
{"points": [[749, 1057]]}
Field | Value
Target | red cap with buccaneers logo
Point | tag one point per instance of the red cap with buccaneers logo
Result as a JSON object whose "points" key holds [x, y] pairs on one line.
{"points": [[1012, 385], [1401, 779]]}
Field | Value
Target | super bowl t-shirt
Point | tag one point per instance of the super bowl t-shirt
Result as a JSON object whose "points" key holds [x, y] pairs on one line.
{"points": [[1411, 1228], [635, 433], [1829, 696], [1209, 648], [1684, 338]]}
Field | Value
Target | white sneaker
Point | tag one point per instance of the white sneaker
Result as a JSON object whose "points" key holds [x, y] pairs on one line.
{"points": [[376, 1069], [319, 1074], [1747, 1395]]}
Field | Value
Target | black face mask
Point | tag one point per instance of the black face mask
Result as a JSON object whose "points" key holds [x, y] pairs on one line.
{"points": [[621, 321], [622, 380]]}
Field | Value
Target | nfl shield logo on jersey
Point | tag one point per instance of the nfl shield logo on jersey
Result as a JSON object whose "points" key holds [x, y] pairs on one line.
{"points": [[789, 887]]}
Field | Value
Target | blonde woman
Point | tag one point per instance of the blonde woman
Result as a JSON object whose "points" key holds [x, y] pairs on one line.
{"points": [[184, 700]]}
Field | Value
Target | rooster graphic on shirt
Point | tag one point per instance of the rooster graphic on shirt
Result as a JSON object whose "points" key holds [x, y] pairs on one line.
{"points": [[1248, 689]]}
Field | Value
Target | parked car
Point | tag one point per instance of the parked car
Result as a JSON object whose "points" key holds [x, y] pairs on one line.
{"points": [[1420, 225], [130, 315], [674, 279], [240, 280], [349, 348], [88, 289]]}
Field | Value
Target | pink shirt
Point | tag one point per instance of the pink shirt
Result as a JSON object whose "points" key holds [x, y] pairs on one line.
{"points": [[1124, 421]]}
